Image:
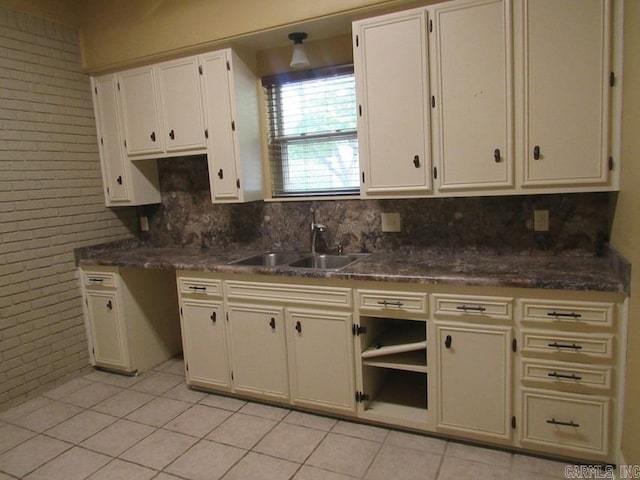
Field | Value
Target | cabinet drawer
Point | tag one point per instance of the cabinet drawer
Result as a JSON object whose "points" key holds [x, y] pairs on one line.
{"points": [[99, 279], [389, 301], [553, 374], [469, 306], [573, 344], [203, 286], [297, 294], [561, 313], [572, 422]]}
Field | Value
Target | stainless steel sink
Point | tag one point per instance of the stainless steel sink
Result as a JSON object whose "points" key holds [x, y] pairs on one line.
{"points": [[328, 262], [269, 259], [300, 260]]}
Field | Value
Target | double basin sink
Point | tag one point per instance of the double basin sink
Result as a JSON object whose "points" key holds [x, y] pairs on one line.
{"points": [[314, 261]]}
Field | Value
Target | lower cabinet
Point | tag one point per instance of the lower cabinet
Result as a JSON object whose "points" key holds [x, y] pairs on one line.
{"points": [[539, 373], [474, 379], [258, 351], [128, 330], [320, 359], [205, 343]]}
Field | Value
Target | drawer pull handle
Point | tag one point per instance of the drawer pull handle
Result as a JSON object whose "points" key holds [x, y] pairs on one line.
{"points": [[570, 423], [198, 288], [272, 323], [467, 308], [213, 317], [109, 305], [298, 327], [562, 345], [387, 303], [95, 280], [573, 376], [564, 315], [447, 341]]}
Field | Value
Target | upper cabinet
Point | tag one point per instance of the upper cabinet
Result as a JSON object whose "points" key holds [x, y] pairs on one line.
{"points": [[471, 45], [232, 121], [181, 105], [392, 83], [564, 56], [517, 94], [124, 182], [162, 109]]}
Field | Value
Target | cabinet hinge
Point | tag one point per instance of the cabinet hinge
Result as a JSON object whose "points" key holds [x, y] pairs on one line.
{"points": [[228, 66], [357, 41], [360, 110], [101, 141], [612, 79], [433, 101], [430, 26], [108, 190], [362, 177], [86, 302], [93, 350], [513, 422], [206, 133], [357, 330], [231, 374], [238, 182], [125, 142], [435, 172], [95, 89], [514, 345], [233, 125], [186, 366], [118, 86], [181, 311], [227, 315], [200, 69], [610, 163], [361, 397]]}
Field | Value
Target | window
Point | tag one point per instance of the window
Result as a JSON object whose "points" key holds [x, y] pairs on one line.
{"points": [[313, 139]]}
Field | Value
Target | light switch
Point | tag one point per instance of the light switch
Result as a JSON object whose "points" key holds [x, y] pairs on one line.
{"points": [[391, 222], [541, 220], [144, 224]]}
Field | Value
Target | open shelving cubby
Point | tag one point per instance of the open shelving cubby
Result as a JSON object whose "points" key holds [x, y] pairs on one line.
{"points": [[393, 357]]}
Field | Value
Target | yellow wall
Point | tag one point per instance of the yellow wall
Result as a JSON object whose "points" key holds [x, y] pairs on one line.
{"points": [[119, 33], [626, 225]]}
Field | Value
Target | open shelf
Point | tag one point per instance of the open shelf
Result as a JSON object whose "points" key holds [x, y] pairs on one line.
{"points": [[393, 343], [413, 361]]}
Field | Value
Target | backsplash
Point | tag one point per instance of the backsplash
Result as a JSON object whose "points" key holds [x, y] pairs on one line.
{"points": [[579, 223]]}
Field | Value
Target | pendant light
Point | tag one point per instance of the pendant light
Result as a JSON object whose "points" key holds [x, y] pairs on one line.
{"points": [[299, 58]]}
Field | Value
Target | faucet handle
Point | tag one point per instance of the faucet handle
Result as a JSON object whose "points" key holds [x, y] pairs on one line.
{"points": [[340, 248]]}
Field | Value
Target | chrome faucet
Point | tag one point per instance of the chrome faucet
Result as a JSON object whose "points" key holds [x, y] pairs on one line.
{"points": [[316, 228]]}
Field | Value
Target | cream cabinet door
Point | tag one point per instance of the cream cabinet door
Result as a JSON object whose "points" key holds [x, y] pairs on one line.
{"points": [[140, 113], [109, 139], [108, 333], [472, 74], [566, 49], [258, 351], [321, 359], [205, 344], [181, 103], [391, 69], [220, 121], [474, 379]]}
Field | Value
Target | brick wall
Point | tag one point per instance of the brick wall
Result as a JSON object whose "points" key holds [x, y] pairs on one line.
{"points": [[50, 203]]}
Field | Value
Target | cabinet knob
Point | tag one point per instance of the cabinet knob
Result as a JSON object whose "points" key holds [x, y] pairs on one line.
{"points": [[213, 317], [447, 341], [416, 161], [119, 180], [153, 136], [172, 135], [220, 174], [496, 155], [272, 323], [298, 327], [536, 152], [109, 305]]}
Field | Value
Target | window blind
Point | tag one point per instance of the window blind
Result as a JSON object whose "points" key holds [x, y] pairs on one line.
{"points": [[313, 140]]}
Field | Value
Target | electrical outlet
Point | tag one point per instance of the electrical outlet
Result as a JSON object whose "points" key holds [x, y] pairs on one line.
{"points": [[144, 224], [391, 222], [541, 220]]}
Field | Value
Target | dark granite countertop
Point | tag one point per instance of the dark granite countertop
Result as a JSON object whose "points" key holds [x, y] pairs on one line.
{"points": [[609, 273]]}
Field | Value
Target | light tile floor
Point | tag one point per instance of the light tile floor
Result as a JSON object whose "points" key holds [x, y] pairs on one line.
{"points": [[105, 426]]}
